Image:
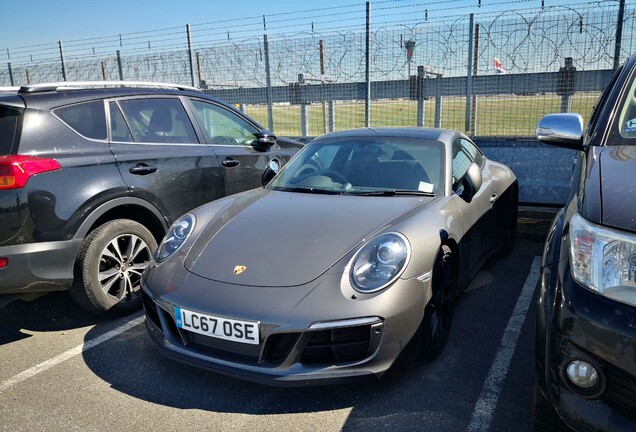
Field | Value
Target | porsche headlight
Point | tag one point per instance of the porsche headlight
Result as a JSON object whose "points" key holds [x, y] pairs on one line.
{"points": [[603, 260], [175, 237], [380, 262]]}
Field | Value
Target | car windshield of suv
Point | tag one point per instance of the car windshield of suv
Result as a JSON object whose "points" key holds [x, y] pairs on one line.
{"points": [[366, 166]]}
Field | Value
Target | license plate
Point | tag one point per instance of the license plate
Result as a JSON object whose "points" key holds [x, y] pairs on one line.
{"points": [[218, 327]]}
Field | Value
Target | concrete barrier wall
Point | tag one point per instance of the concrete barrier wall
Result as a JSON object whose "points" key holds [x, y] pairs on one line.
{"points": [[543, 171]]}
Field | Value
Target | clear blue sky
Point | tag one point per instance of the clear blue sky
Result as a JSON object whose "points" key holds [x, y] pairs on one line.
{"points": [[32, 22]]}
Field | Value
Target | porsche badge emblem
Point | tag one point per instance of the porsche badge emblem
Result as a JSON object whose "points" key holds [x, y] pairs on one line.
{"points": [[239, 269]]}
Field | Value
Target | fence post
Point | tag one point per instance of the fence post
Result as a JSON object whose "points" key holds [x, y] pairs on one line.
{"points": [[189, 34], [322, 85], [10, 74], [104, 71], [199, 73], [304, 120], [367, 70], [268, 79], [566, 84], [619, 34], [469, 72], [62, 60], [121, 70], [420, 95], [473, 116], [28, 76], [438, 110], [332, 116]]}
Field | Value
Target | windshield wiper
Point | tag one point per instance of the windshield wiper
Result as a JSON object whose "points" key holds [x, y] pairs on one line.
{"points": [[393, 192], [308, 190]]}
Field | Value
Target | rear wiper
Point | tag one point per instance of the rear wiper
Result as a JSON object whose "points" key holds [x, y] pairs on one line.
{"points": [[308, 190], [393, 192]]}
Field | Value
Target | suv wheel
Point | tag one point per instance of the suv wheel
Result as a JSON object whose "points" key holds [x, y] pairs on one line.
{"points": [[109, 265]]}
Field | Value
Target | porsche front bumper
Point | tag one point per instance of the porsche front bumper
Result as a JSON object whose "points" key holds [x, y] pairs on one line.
{"points": [[316, 334]]}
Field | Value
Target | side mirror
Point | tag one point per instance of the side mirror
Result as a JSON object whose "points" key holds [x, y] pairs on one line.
{"points": [[471, 182], [561, 130], [266, 139], [273, 167]]}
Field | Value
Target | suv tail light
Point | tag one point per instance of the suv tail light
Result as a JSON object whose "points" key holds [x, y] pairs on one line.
{"points": [[15, 171]]}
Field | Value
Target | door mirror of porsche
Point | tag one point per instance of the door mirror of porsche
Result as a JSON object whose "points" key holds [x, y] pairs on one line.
{"points": [[471, 182], [270, 172]]}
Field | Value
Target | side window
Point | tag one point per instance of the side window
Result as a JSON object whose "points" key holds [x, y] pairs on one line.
{"points": [[87, 119], [223, 126], [118, 128], [158, 120], [464, 154]]}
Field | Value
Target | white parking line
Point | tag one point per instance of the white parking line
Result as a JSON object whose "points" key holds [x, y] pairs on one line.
{"points": [[487, 402], [29, 373]]}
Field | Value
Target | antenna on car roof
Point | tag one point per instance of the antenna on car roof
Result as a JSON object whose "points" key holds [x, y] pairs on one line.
{"points": [[77, 85]]}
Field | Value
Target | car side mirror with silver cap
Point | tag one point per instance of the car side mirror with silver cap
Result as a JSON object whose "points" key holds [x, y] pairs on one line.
{"points": [[561, 130], [471, 182], [273, 167]]}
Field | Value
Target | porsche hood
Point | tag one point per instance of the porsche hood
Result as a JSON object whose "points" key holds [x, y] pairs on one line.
{"points": [[272, 238]]}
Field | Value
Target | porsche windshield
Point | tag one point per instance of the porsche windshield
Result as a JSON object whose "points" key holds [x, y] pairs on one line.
{"points": [[366, 166]]}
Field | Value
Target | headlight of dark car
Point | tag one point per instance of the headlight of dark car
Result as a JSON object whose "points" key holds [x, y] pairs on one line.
{"points": [[175, 237], [380, 262], [603, 260]]}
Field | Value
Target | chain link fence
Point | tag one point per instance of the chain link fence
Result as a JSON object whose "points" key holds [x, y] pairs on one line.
{"points": [[380, 64]]}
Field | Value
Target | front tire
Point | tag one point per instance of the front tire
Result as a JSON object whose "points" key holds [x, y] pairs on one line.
{"points": [[109, 265], [438, 315]]}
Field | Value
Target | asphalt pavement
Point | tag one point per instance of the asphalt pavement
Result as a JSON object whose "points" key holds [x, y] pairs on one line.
{"points": [[63, 369]]}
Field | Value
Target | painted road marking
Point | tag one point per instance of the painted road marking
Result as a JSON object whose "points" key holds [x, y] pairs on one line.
{"points": [[29, 373], [487, 402]]}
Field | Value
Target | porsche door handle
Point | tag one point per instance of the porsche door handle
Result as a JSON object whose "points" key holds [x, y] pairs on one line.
{"points": [[229, 162], [493, 198], [142, 169]]}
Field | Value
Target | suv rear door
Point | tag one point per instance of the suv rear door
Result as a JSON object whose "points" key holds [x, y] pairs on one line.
{"points": [[160, 155]]}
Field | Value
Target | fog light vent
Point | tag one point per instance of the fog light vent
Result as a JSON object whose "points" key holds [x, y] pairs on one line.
{"points": [[582, 374]]}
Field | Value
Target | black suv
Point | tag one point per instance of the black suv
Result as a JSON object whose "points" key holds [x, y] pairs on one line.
{"points": [[586, 314], [93, 174]]}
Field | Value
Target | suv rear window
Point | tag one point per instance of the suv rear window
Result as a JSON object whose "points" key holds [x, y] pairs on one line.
{"points": [[87, 119], [8, 128]]}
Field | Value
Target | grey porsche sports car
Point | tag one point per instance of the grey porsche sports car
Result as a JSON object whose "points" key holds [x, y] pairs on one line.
{"points": [[352, 255]]}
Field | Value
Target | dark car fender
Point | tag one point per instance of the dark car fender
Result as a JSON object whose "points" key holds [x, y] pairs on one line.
{"points": [[147, 214], [549, 292]]}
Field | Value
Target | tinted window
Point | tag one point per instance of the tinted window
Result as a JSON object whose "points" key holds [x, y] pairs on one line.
{"points": [[158, 121], [223, 126], [464, 154], [118, 128], [87, 119], [626, 127], [8, 127]]}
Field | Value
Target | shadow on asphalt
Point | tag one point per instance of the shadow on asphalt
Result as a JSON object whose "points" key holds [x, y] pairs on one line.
{"points": [[52, 312]]}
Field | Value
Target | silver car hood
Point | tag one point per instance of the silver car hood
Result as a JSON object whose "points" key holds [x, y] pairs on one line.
{"points": [[287, 239]]}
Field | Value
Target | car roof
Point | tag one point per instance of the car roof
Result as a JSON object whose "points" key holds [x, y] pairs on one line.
{"points": [[50, 99], [434, 134]]}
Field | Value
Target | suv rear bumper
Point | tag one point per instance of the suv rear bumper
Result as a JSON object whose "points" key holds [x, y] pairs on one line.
{"points": [[38, 267]]}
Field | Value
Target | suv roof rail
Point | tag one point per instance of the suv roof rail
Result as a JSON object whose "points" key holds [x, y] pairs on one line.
{"points": [[78, 85], [9, 89]]}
